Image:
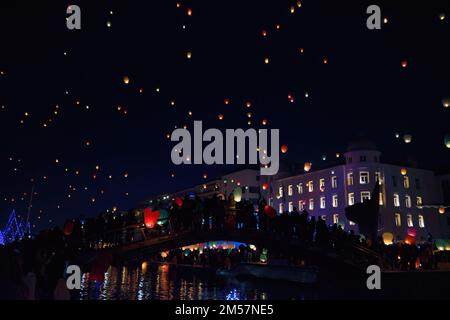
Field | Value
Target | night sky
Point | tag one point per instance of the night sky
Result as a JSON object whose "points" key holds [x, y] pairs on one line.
{"points": [[65, 109]]}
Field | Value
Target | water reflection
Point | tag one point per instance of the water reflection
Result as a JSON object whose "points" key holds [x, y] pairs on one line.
{"points": [[170, 282]]}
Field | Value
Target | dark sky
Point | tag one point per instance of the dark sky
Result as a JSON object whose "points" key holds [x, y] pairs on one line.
{"points": [[363, 89]]}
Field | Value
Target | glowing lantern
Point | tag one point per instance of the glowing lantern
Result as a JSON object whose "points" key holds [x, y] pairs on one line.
{"points": [[226, 101], [284, 149], [270, 212], [265, 186], [188, 54], [126, 80], [307, 166], [446, 102], [407, 138], [388, 238], [68, 228], [412, 232], [292, 9], [264, 33], [164, 254], [264, 122], [237, 193], [220, 116], [248, 104], [403, 171], [410, 240], [447, 140], [144, 267], [441, 210], [404, 64], [302, 50], [442, 16], [179, 201], [150, 217], [189, 12]]}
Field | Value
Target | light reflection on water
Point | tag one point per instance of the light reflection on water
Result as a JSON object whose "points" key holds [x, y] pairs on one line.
{"points": [[168, 282]]}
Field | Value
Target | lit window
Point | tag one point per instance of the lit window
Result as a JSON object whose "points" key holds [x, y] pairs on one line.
{"points": [[335, 201], [409, 220], [378, 177], [396, 200], [334, 182], [419, 201], [351, 199], [322, 202], [290, 190], [350, 179], [421, 221], [291, 207], [310, 186], [311, 204], [381, 202], [363, 177], [398, 220], [301, 205], [322, 185], [406, 182], [365, 195], [335, 218], [280, 191], [407, 201], [300, 188], [281, 208]]}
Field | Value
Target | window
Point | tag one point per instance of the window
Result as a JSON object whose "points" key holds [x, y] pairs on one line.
{"points": [[335, 201], [290, 192], [291, 207], [280, 191], [396, 200], [406, 182], [362, 159], [350, 178], [417, 184], [363, 177], [322, 203], [300, 188], [365, 196], [310, 186], [311, 204], [322, 185], [394, 181], [335, 218], [301, 205], [398, 220], [334, 182], [351, 199], [419, 201], [381, 202], [378, 177], [409, 220], [281, 208], [421, 221], [407, 201]]}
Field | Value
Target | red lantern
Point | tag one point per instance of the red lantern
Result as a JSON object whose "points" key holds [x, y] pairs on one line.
{"points": [[265, 186], [179, 201], [404, 64], [284, 149], [412, 232], [68, 227], [150, 217], [248, 104], [270, 212], [410, 240]]}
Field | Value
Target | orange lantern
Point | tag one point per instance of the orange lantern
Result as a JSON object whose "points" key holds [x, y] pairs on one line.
{"points": [[307, 166], [441, 210], [150, 217], [403, 171], [126, 80], [410, 240], [284, 149]]}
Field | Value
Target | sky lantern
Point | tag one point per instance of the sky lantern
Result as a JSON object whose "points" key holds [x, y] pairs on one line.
{"points": [[410, 240], [264, 122], [284, 149], [442, 16], [292, 9], [266, 60], [446, 102], [178, 201], [226, 101], [441, 210], [270, 212], [189, 12], [189, 54], [248, 104], [404, 64], [299, 4], [407, 138], [302, 50], [403, 171], [412, 232], [307, 166], [150, 217], [265, 186], [264, 33], [68, 227], [220, 116], [126, 80], [447, 140], [237, 193], [388, 238]]}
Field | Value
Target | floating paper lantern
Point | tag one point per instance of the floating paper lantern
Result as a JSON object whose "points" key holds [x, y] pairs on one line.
{"points": [[226, 101], [447, 140], [407, 138], [126, 80], [178, 201], [403, 171], [284, 149], [248, 104], [441, 210], [189, 55], [412, 232], [404, 64], [68, 227], [150, 217], [410, 240], [388, 238], [446, 102], [442, 16], [237, 193], [264, 122], [220, 116], [270, 212], [189, 12], [307, 166], [265, 186]]}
